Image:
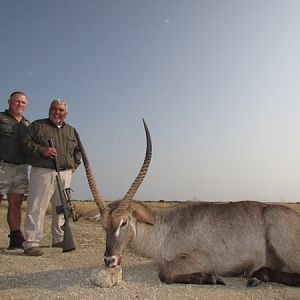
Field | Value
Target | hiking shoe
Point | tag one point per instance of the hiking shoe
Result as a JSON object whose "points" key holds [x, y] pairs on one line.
{"points": [[58, 245], [33, 251], [16, 240]]}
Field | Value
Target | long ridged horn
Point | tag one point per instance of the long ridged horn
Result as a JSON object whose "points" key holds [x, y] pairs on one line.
{"points": [[140, 177], [91, 180]]}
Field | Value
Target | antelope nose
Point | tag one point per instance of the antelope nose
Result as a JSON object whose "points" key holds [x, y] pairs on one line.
{"points": [[109, 261]]}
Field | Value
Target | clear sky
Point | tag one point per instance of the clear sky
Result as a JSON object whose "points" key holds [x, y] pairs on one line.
{"points": [[217, 81]]}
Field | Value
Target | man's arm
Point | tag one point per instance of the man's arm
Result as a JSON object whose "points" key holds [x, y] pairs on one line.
{"points": [[31, 148]]}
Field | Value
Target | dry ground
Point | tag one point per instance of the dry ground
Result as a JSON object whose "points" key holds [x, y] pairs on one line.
{"points": [[57, 275]]}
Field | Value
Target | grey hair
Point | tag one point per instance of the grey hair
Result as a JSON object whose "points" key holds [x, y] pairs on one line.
{"points": [[60, 102]]}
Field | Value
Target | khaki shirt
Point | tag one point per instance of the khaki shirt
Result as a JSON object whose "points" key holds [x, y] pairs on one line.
{"points": [[11, 133], [64, 140]]}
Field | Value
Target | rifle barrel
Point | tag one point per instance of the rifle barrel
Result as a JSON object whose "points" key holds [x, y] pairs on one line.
{"points": [[68, 244]]}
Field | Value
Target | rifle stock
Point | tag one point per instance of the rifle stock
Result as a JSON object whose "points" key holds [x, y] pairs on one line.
{"points": [[68, 243]]}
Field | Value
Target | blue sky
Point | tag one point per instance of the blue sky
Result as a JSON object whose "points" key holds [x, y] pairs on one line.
{"points": [[217, 82]]}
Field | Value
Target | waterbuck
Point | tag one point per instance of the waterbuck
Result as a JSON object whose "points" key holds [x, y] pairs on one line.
{"points": [[196, 242]]}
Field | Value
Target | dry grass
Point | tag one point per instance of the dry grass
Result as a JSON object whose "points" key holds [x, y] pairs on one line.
{"points": [[295, 206], [87, 208]]}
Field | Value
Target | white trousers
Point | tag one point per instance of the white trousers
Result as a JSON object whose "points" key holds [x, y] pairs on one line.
{"points": [[43, 189]]}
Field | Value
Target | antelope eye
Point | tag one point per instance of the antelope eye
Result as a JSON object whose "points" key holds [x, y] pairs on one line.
{"points": [[124, 223]]}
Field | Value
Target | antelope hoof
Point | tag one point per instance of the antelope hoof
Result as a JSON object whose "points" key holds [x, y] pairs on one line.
{"points": [[253, 282], [218, 280]]}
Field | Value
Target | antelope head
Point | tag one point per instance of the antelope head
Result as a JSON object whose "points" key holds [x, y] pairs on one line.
{"points": [[120, 217]]}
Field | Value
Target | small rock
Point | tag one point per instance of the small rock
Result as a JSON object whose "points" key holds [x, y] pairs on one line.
{"points": [[106, 277]]}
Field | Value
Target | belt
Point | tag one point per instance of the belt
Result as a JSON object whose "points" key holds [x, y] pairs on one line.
{"points": [[63, 169], [9, 162]]}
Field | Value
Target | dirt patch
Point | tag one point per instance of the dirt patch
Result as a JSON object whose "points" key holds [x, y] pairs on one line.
{"points": [[57, 275]]}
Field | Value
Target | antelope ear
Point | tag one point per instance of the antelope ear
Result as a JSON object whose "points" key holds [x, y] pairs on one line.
{"points": [[142, 213]]}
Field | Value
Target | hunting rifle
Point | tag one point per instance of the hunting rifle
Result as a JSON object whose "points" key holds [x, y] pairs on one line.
{"points": [[65, 208]]}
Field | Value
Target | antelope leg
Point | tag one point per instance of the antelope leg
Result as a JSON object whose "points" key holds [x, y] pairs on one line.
{"points": [[192, 278], [271, 275]]}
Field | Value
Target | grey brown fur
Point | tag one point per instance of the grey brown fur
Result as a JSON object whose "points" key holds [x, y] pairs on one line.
{"points": [[211, 239], [196, 242]]}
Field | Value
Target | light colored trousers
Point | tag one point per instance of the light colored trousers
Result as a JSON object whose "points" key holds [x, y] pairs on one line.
{"points": [[43, 189]]}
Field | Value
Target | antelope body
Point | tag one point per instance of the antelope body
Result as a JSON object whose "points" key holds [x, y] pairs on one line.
{"points": [[196, 242]]}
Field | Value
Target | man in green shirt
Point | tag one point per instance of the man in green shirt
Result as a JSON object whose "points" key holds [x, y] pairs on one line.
{"points": [[43, 186], [13, 164]]}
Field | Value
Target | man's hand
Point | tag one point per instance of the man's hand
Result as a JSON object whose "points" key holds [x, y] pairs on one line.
{"points": [[50, 152]]}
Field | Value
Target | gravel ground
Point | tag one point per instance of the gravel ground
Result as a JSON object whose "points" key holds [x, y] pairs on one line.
{"points": [[57, 275]]}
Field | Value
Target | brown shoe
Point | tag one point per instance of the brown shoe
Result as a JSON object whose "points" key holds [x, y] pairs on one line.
{"points": [[33, 251], [58, 245]]}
